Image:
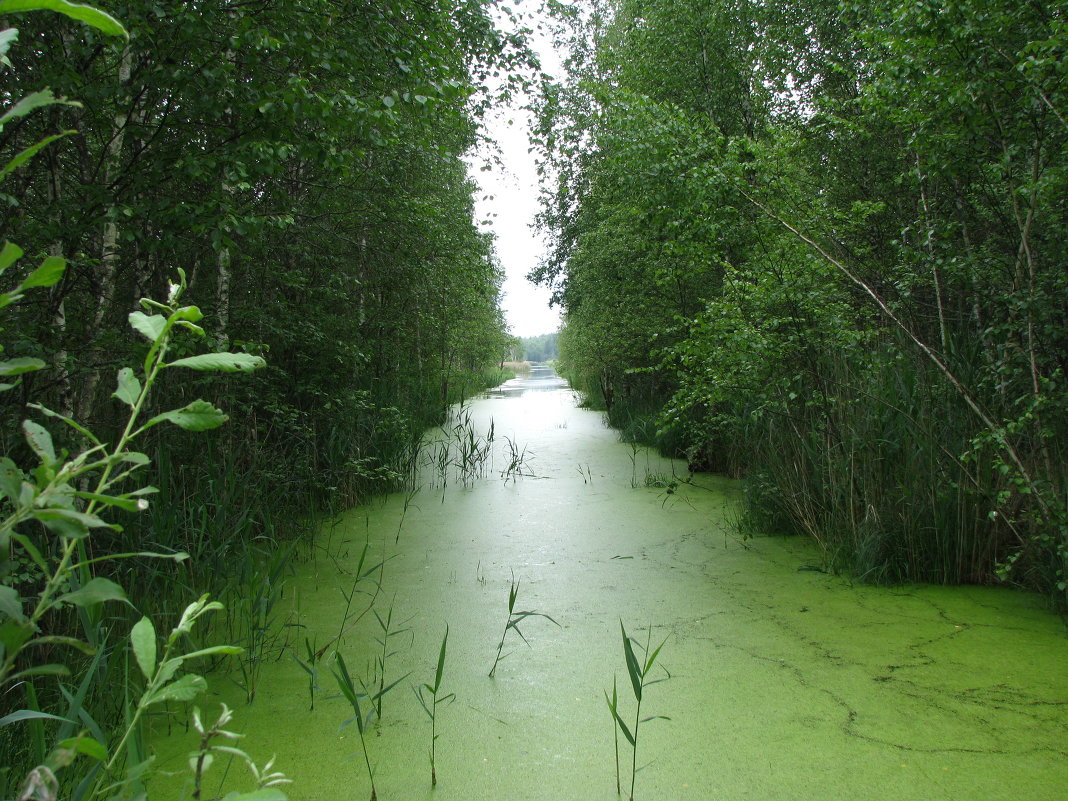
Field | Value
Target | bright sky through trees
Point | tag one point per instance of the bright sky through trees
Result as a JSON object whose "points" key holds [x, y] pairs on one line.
{"points": [[509, 199]]}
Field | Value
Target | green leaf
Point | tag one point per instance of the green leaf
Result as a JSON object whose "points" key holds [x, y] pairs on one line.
{"points": [[129, 388], [81, 518], [21, 159], [9, 255], [11, 603], [95, 591], [614, 709], [197, 416], [87, 746], [441, 661], [48, 273], [24, 106], [23, 364], [214, 650], [143, 641], [151, 326], [633, 668], [348, 689], [189, 314], [10, 479], [30, 714], [185, 688], [41, 670], [14, 634], [40, 441], [222, 362], [66, 642], [652, 658], [85, 432], [8, 37], [265, 794], [62, 526], [120, 501], [91, 16]]}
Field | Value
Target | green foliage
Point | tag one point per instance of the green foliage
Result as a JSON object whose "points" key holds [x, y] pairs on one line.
{"points": [[362, 720], [315, 191], [638, 671], [61, 578], [512, 622], [267, 781], [326, 217], [541, 348], [816, 245], [430, 702]]}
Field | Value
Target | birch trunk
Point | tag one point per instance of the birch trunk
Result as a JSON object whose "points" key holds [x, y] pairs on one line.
{"points": [[60, 359], [222, 256], [109, 245]]}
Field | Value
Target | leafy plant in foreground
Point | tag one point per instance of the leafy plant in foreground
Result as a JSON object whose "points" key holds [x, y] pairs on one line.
{"points": [[430, 706], [50, 493], [386, 627], [348, 689], [513, 621], [311, 667], [639, 680], [202, 759], [50, 511], [516, 459]]}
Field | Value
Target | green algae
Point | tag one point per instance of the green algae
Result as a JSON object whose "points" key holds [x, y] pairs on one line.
{"points": [[785, 683]]}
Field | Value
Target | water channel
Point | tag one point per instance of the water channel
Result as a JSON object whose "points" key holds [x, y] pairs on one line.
{"points": [[782, 682]]}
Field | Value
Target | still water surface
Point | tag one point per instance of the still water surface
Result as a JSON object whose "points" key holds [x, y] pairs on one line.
{"points": [[784, 683]]}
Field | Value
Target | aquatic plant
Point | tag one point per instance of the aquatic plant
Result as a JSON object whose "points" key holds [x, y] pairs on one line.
{"points": [[348, 621], [409, 496], [311, 667], [442, 459], [254, 592], [516, 459], [512, 622], [382, 657], [638, 671], [202, 759], [348, 689], [430, 705], [472, 451]]}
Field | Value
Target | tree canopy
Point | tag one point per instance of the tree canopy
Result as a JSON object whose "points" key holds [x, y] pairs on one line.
{"points": [[821, 245]]}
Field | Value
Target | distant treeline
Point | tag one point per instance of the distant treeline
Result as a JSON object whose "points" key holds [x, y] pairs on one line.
{"points": [[823, 246], [541, 348]]}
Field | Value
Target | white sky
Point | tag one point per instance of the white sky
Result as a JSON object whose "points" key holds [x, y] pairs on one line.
{"points": [[509, 200]]}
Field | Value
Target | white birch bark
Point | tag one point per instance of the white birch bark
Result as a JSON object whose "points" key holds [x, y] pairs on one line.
{"points": [[109, 246]]}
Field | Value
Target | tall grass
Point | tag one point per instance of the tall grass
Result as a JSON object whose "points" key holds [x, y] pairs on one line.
{"points": [[883, 471]]}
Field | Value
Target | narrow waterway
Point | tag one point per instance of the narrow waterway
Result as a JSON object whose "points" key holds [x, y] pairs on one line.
{"points": [[781, 682]]}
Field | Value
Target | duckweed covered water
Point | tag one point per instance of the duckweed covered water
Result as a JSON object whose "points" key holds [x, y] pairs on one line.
{"points": [[785, 682]]}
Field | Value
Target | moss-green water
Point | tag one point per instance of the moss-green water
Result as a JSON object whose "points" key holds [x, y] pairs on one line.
{"points": [[785, 684]]}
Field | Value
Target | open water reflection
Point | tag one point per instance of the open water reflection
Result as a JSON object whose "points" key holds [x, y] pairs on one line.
{"points": [[542, 378]]}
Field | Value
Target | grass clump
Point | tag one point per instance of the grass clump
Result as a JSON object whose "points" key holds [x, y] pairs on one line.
{"points": [[638, 671], [512, 623], [430, 703]]}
